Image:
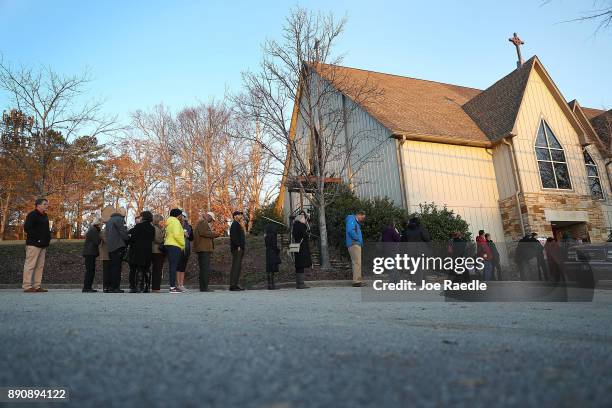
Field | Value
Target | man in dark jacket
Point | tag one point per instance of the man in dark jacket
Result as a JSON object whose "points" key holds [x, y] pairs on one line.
{"points": [[90, 253], [237, 246], [38, 238], [141, 249], [116, 242]]}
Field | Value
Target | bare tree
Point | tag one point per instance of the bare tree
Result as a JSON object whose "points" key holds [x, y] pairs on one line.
{"points": [[297, 97], [53, 104]]}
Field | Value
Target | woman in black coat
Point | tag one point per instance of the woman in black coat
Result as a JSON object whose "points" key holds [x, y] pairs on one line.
{"points": [[302, 259], [272, 253], [141, 244]]}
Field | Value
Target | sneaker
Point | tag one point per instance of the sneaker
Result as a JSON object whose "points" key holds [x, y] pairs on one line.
{"points": [[175, 290], [183, 288]]}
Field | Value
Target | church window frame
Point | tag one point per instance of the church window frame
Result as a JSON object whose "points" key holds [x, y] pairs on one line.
{"points": [[552, 164], [593, 177]]}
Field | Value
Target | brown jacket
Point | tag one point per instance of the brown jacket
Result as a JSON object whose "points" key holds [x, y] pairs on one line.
{"points": [[160, 234], [203, 238]]}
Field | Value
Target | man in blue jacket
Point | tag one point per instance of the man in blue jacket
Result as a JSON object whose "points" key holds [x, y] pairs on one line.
{"points": [[354, 242]]}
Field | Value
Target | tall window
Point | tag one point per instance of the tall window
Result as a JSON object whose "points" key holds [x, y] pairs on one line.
{"points": [[593, 177], [551, 159]]}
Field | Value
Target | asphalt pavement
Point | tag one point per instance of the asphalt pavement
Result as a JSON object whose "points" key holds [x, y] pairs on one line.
{"points": [[321, 347]]}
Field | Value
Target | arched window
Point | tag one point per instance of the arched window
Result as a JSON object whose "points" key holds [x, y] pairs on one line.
{"points": [[593, 177], [551, 159]]}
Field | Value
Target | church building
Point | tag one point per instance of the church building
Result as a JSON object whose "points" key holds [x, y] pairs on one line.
{"points": [[514, 158]]}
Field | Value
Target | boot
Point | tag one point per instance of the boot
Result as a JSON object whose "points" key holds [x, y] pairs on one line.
{"points": [[271, 281], [299, 281], [140, 279], [147, 279]]}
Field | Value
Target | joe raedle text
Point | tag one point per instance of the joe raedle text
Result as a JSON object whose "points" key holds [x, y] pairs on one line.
{"points": [[407, 285]]}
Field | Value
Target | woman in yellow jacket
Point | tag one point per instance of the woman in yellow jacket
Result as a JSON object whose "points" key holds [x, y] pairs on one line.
{"points": [[174, 245]]}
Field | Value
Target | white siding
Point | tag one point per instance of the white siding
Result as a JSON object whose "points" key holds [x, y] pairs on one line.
{"points": [[538, 103], [502, 161], [460, 177]]}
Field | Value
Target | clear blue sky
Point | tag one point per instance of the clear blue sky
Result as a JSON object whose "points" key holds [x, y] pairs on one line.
{"points": [[180, 52]]}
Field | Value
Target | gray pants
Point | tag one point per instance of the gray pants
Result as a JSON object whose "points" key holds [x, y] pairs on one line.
{"points": [[236, 267], [204, 263]]}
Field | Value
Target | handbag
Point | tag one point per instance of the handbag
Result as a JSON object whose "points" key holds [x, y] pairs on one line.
{"points": [[294, 247]]}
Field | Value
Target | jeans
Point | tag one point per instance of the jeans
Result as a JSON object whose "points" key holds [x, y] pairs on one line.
{"points": [[90, 271], [204, 263], [174, 254], [488, 270]]}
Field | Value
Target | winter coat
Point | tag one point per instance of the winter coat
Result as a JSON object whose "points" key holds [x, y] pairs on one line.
{"points": [[390, 234], [141, 242], [37, 228], [175, 235], [353, 231], [204, 238], [272, 251], [237, 238], [92, 242], [116, 233], [102, 247], [159, 239], [300, 234], [415, 232], [483, 250]]}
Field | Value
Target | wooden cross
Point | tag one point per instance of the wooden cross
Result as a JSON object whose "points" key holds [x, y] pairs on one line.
{"points": [[517, 43]]}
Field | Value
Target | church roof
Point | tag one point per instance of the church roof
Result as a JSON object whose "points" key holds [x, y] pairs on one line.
{"points": [[495, 109], [412, 106], [602, 124], [437, 111]]}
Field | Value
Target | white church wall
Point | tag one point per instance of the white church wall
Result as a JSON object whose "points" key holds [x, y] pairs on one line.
{"points": [[460, 177], [538, 103], [502, 161]]}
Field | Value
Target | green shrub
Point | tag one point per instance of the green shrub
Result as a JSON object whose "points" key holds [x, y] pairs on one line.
{"points": [[440, 222], [260, 220]]}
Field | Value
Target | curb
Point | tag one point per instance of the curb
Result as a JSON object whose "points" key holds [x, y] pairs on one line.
{"points": [[280, 285]]}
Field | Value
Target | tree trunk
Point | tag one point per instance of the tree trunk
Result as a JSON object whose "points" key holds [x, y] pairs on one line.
{"points": [[324, 245], [5, 210]]}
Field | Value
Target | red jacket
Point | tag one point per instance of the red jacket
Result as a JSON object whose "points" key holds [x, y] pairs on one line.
{"points": [[483, 249]]}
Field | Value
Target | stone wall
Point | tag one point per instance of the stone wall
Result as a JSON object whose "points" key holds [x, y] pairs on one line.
{"points": [[534, 205]]}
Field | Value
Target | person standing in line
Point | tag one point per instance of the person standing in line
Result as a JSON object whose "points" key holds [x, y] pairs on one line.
{"points": [[354, 242], [496, 272], [142, 236], [174, 243], [302, 258], [133, 267], [104, 256], [204, 245], [91, 250], [116, 241], [182, 266], [272, 253], [237, 247], [38, 233], [483, 251], [157, 256], [457, 248]]}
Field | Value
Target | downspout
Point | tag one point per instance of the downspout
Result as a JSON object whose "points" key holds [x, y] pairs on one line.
{"points": [[400, 159], [517, 182]]}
